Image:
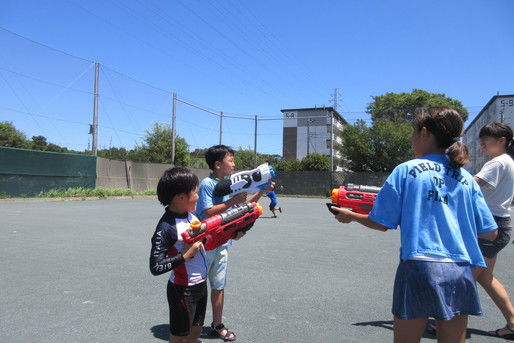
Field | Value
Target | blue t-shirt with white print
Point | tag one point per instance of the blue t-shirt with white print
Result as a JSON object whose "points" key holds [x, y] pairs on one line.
{"points": [[440, 210], [207, 199]]}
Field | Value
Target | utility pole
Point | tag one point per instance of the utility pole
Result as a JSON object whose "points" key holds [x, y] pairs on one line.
{"points": [[93, 130], [255, 144], [221, 126], [173, 128], [308, 136]]}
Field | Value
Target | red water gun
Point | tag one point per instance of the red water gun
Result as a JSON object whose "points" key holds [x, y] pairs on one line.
{"points": [[220, 228], [358, 198]]}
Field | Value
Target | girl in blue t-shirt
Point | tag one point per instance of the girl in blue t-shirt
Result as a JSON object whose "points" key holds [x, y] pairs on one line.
{"points": [[441, 213]]}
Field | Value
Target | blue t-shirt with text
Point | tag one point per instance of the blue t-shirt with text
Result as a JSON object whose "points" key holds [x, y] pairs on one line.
{"points": [[440, 210], [207, 199]]}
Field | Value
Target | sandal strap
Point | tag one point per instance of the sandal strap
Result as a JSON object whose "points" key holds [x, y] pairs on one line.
{"points": [[218, 327]]}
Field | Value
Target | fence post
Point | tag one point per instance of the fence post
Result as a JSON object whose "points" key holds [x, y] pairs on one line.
{"points": [[221, 126], [255, 144], [173, 128], [94, 128]]}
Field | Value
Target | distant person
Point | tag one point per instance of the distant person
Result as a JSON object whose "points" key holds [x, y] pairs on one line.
{"points": [[496, 179], [440, 211], [220, 159], [177, 190], [273, 204]]}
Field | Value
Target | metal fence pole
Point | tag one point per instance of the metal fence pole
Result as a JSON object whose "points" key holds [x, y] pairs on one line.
{"points": [[221, 126], [173, 127], [94, 128], [255, 145]]}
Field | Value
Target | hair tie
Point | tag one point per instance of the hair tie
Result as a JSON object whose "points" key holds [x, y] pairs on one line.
{"points": [[456, 139]]}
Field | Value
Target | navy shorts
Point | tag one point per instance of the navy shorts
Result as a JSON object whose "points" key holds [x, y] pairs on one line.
{"points": [[491, 248], [441, 290], [187, 307]]}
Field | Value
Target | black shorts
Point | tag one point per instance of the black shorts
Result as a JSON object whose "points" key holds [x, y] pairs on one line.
{"points": [[491, 248], [187, 307]]}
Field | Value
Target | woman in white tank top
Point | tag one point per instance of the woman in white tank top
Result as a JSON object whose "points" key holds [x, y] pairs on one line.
{"points": [[496, 180]]}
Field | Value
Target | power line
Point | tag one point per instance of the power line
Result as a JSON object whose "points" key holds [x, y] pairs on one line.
{"points": [[46, 46]]}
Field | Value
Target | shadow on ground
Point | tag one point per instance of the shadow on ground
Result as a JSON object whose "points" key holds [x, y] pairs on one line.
{"points": [[429, 333], [162, 331]]}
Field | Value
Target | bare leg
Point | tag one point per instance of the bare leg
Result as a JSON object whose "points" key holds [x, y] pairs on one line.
{"points": [[217, 300], [453, 330], [179, 339], [496, 291], [409, 330], [194, 334]]}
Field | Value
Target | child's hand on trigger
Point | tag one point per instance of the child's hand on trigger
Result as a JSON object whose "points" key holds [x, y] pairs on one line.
{"points": [[190, 250], [345, 216], [238, 198], [239, 235]]}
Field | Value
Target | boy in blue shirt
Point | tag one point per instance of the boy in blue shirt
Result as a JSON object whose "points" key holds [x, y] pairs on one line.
{"points": [[273, 204], [441, 212], [220, 159]]}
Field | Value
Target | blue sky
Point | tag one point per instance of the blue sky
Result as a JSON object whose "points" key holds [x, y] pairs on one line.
{"points": [[239, 57]]}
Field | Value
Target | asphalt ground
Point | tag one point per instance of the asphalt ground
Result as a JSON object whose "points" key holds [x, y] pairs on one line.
{"points": [[77, 271]]}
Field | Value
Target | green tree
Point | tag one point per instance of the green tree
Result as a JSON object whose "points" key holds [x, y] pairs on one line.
{"points": [[287, 165], [11, 137], [377, 148], [114, 153], [403, 106], [243, 158], [391, 144], [39, 143], [158, 146], [357, 147], [315, 162]]}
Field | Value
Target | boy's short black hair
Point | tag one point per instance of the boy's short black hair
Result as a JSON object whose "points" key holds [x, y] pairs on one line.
{"points": [[216, 154], [175, 181]]}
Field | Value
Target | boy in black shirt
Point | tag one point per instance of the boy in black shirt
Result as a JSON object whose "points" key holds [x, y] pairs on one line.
{"points": [[187, 289]]}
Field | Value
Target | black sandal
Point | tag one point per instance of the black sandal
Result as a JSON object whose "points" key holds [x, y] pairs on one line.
{"points": [[508, 335], [215, 331]]}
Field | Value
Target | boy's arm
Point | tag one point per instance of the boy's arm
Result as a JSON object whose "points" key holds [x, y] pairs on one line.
{"points": [[216, 209], [346, 216], [256, 196], [160, 262]]}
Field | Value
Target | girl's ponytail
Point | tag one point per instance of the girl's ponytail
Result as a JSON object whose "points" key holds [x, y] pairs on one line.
{"points": [[458, 154]]}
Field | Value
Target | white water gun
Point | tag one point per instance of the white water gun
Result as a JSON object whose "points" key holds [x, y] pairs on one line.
{"points": [[250, 181]]}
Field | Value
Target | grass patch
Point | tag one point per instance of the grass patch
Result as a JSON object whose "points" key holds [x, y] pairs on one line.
{"points": [[81, 192]]}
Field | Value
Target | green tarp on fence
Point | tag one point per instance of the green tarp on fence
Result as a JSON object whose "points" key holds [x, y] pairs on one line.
{"points": [[28, 172]]}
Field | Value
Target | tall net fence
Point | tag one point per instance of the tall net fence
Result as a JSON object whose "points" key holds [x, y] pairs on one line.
{"points": [[47, 92], [44, 91]]}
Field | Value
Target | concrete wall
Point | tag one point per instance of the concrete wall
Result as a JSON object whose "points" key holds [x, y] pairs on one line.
{"points": [[28, 172], [136, 176]]}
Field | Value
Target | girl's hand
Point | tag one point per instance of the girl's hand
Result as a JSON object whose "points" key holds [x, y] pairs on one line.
{"points": [[344, 216]]}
